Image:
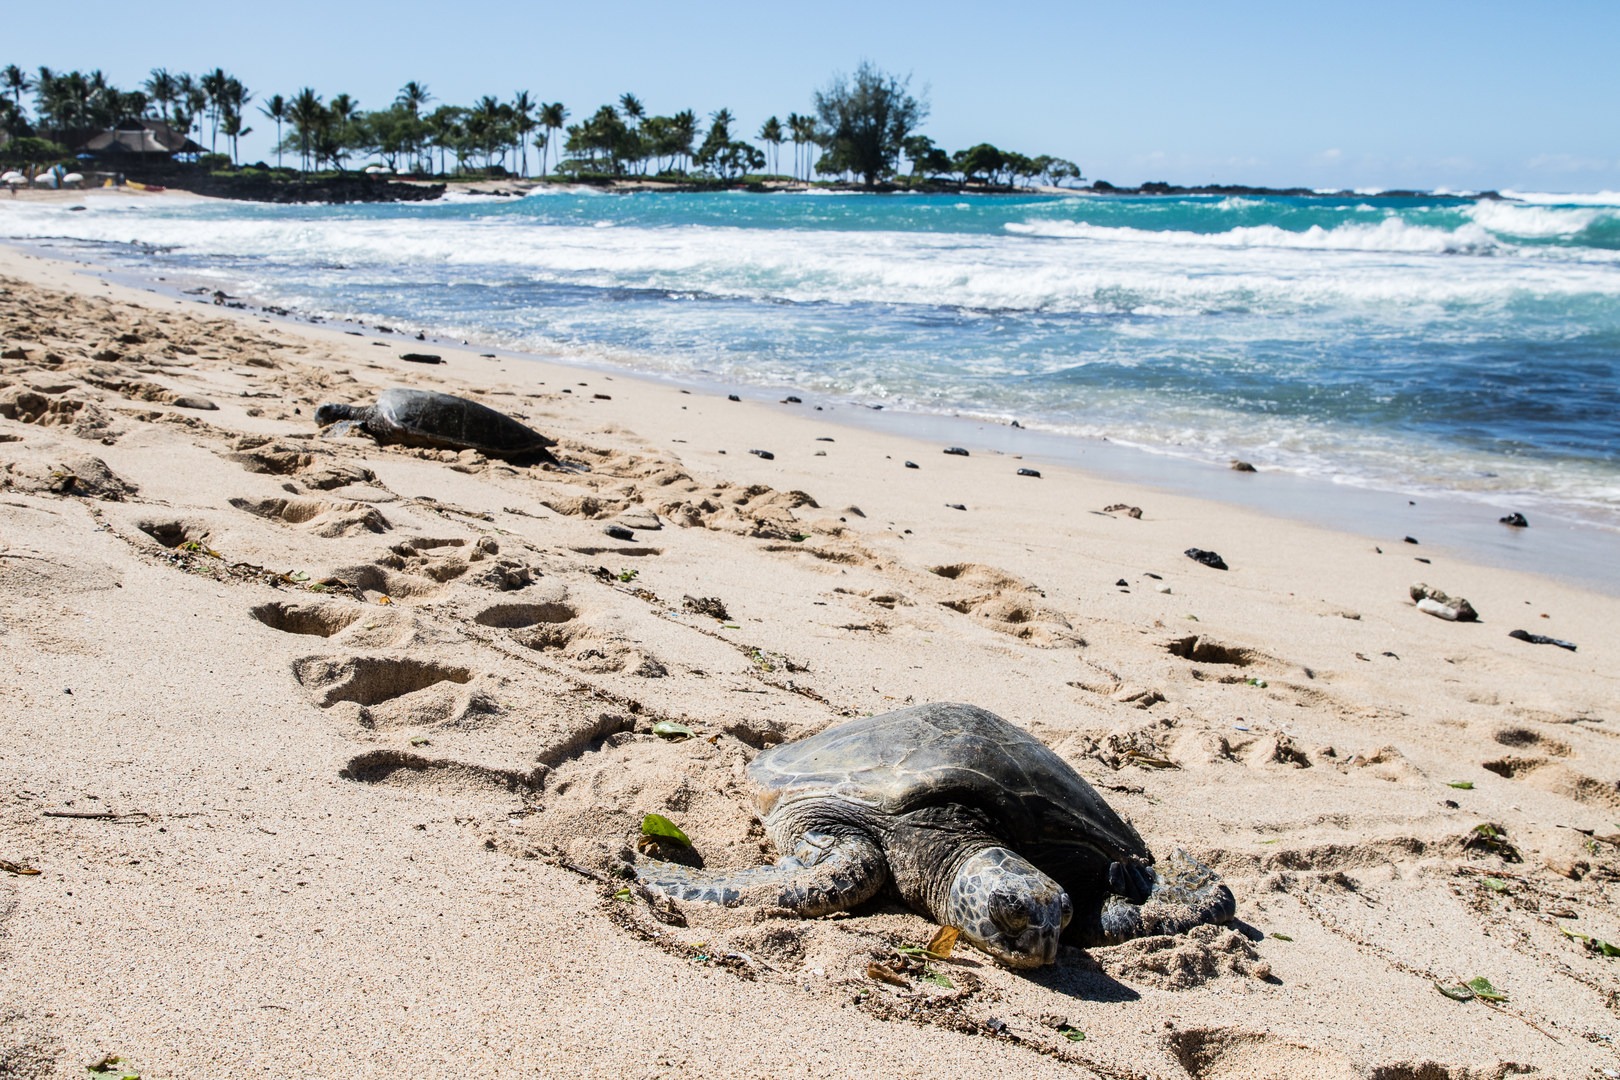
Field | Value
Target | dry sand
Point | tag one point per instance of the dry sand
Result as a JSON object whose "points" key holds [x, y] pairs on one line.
{"points": [[320, 749]]}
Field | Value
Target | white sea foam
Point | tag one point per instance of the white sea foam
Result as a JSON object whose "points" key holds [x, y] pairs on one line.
{"points": [[1548, 198], [1390, 234], [1545, 220]]}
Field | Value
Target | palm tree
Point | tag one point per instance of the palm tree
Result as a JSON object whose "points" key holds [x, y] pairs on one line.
{"points": [[15, 81], [802, 130], [339, 129], [160, 87], [552, 118], [213, 85], [276, 109], [636, 113], [684, 135], [233, 99], [306, 113], [523, 123], [771, 134], [196, 101], [412, 96]]}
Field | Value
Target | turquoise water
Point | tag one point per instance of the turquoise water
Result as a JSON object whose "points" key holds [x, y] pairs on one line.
{"points": [[1429, 344]]}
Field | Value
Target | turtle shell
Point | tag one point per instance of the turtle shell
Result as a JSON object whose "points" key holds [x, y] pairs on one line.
{"points": [[948, 754], [429, 418]]}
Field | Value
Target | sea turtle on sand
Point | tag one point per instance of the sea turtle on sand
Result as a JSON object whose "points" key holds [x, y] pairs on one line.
{"points": [[430, 419], [968, 819]]}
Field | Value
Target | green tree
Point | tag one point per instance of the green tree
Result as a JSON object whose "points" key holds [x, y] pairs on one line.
{"points": [[160, 87], [523, 125], [412, 96], [926, 158], [276, 109], [308, 115], [447, 130], [981, 163], [16, 82], [30, 154], [867, 118], [12, 120], [552, 118], [770, 133]]}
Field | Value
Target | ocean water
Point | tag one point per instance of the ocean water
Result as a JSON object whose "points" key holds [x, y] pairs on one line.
{"points": [[1433, 345]]}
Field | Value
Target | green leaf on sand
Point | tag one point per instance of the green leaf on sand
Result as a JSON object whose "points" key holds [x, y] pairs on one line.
{"points": [[1597, 945], [1073, 1034], [1479, 987], [1495, 884], [661, 828], [938, 980], [623, 894], [669, 729], [1462, 785], [1282, 937]]}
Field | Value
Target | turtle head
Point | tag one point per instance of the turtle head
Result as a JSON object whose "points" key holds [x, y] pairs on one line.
{"points": [[332, 412], [1003, 904]]}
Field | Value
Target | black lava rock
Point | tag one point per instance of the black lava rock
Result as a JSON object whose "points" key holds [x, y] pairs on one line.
{"points": [[1208, 558], [1516, 520]]}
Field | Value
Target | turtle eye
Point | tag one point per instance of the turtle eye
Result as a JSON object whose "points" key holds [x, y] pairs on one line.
{"points": [[1009, 911], [1066, 906]]}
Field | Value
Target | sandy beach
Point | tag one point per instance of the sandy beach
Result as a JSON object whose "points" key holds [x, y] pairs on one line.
{"points": [[317, 757]]}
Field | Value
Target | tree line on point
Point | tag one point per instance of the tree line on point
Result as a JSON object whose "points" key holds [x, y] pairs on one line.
{"points": [[858, 130]]}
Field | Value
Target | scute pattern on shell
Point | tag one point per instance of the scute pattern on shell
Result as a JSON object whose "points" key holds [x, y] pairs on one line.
{"points": [[433, 418], [944, 753]]}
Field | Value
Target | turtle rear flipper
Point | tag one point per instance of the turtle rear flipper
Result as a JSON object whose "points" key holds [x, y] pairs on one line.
{"points": [[817, 880], [1185, 894]]}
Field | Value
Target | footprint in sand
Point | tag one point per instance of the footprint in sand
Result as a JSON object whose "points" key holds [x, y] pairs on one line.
{"points": [[387, 692], [325, 519], [318, 620], [554, 628], [1009, 605], [315, 471], [1217, 1053], [440, 776]]}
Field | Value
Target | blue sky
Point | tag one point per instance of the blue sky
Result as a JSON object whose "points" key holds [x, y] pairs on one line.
{"points": [[1421, 94]]}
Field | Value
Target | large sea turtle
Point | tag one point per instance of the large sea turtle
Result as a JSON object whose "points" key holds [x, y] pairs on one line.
{"points": [[967, 818], [430, 419]]}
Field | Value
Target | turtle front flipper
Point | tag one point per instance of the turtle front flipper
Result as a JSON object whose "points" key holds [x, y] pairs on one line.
{"points": [[823, 875], [1185, 894]]}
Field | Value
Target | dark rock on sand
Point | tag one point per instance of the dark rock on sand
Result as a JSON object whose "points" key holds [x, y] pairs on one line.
{"points": [[712, 606], [1541, 639], [766, 454], [1036, 473], [912, 465], [619, 532], [1242, 466], [1441, 606], [421, 358], [956, 450], [1208, 558], [1516, 520]]}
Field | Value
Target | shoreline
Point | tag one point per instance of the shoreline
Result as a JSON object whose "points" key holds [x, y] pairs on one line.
{"points": [[1453, 524], [310, 727]]}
